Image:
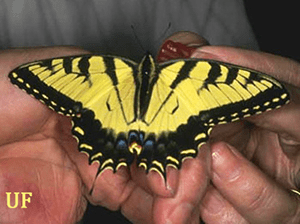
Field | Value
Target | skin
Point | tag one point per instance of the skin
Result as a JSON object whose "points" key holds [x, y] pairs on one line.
{"points": [[243, 174]]}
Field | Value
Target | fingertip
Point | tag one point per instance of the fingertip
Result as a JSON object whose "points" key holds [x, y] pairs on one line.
{"points": [[110, 189], [155, 183], [164, 187], [225, 158], [188, 38], [197, 169], [180, 45]]}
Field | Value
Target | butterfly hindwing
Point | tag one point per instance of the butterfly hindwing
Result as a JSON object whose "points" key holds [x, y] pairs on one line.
{"points": [[162, 113]]}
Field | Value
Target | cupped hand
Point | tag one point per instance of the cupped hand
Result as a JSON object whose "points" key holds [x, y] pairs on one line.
{"points": [[34, 142]]}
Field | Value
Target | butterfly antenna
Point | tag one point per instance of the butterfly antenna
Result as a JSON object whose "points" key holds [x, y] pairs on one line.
{"points": [[137, 39], [163, 35]]}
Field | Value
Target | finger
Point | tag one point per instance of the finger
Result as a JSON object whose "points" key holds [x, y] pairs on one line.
{"points": [[138, 207], [109, 189], [188, 38], [281, 161], [193, 180], [256, 197], [216, 209], [180, 45]]}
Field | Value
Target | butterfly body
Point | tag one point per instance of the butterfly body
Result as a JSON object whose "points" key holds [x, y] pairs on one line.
{"points": [[160, 113]]}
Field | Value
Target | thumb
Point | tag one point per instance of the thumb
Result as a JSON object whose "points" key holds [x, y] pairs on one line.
{"points": [[245, 191]]}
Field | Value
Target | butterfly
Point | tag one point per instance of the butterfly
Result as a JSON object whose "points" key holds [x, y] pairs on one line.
{"points": [[158, 113]]}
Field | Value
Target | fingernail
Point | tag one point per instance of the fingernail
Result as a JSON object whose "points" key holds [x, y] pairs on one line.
{"points": [[225, 164], [172, 50], [177, 215]]}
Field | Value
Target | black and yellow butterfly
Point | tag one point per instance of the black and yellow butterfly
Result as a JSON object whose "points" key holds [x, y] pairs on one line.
{"points": [[162, 113]]}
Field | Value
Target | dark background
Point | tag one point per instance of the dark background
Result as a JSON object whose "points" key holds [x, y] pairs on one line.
{"points": [[276, 27]]}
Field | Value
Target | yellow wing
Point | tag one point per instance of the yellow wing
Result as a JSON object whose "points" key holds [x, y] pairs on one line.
{"points": [[192, 95], [98, 92]]}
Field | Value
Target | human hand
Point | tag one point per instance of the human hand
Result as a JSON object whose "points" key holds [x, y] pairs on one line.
{"points": [[39, 155], [34, 145], [254, 171]]}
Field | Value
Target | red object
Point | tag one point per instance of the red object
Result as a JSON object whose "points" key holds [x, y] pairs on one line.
{"points": [[172, 50]]}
